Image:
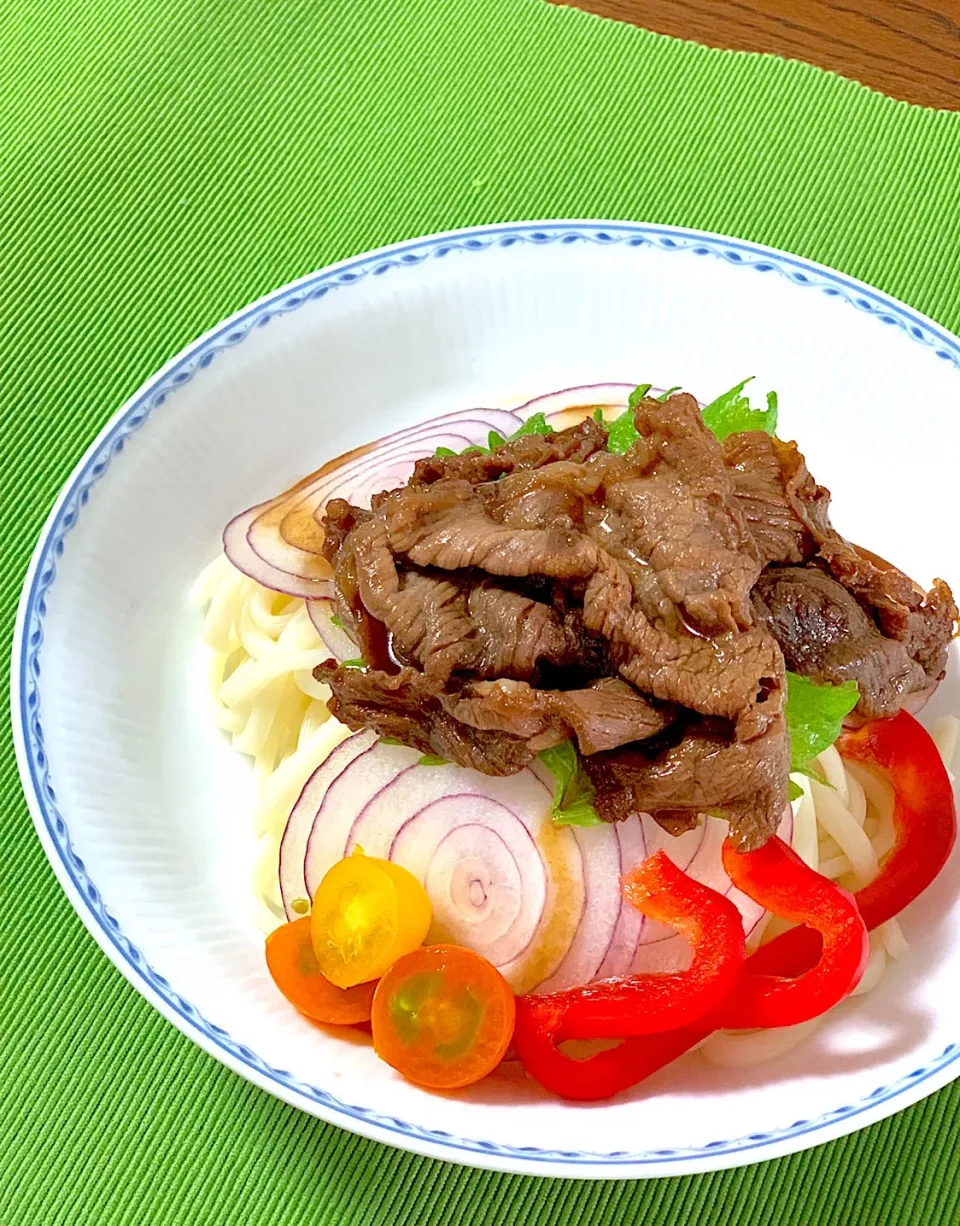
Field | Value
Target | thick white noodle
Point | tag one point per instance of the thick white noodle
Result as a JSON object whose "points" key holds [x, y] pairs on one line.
{"points": [[833, 770], [839, 823], [263, 648], [946, 737], [805, 838]]}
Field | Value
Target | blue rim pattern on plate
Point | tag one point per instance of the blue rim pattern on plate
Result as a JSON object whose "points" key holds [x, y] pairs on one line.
{"points": [[798, 271]]}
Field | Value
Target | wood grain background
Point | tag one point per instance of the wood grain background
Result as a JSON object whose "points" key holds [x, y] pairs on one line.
{"points": [[906, 48]]}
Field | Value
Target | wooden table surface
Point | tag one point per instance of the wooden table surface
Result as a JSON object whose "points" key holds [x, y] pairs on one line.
{"points": [[907, 49]]}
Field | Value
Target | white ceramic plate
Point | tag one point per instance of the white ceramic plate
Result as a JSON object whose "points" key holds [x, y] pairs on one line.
{"points": [[143, 809]]}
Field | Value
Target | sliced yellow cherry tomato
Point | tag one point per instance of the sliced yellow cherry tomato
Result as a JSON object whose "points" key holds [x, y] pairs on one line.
{"points": [[366, 914], [293, 965]]}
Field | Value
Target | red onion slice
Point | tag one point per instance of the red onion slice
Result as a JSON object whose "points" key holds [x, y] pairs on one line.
{"points": [[278, 542], [482, 870], [238, 549], [410, 817], [584, 396], [630, 922], [347, 797], [321, 612], [602, 867], [300, 823]]}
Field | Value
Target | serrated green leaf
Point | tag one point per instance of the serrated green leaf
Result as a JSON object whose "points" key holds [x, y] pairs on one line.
{"points": [[637, 395], [622, 433], [430, 759], [668, 393], [574, 793], [536, 424], [731, 413], [444, 451], [794, 790]]}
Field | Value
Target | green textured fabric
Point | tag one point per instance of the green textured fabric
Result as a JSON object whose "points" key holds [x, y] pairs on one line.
{"points": [[164, 163]]}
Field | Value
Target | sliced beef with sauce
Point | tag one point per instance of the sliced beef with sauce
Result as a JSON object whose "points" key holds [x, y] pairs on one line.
{"points": [[405, 706], [924, 622], [602, 715], [706, 770], [669, 516], [732, 675], [824, 633], [517, 636], [446, 525], [776, 495], [642, 604]]}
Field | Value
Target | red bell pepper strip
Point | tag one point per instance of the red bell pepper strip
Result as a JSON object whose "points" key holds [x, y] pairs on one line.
{"points": [[776, 877], [639, 1004], [925, 820], [601, 1075], [651, 1003], [924, 814]]}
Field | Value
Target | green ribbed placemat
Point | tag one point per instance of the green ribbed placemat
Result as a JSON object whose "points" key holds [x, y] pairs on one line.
{"points": [[165, 163]]}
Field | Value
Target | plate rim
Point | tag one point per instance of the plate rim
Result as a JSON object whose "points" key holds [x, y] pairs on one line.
{"points": [[53, 831]]}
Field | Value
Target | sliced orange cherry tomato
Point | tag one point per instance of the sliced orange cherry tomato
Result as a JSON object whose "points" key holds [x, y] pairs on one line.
{"points": [[296, 972], [443, 1017], [366, 914]]}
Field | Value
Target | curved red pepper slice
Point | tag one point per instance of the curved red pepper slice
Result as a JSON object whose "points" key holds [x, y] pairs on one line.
{"points": [[639, 1004], [925, 820], [778, 879], [606, 1073], [924, 814], [650, 1003]]}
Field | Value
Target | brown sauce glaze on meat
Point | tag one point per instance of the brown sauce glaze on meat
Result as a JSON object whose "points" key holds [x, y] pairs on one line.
{"points": [[642, 604]]}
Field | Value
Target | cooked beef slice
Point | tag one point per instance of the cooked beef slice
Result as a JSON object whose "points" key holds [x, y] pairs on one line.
{"points": [[824, 633], [706, 771], [776, 495], [339, 519], [430, 531], [924, 622], [668, 515], [517, 635], [602, 715], [444, 624], [728, 675], [405, 707], [553, 496], [533, 451]]}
